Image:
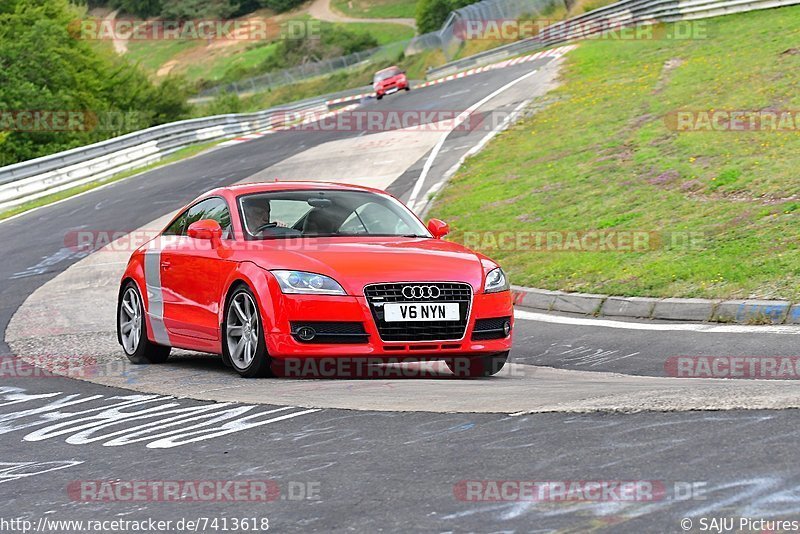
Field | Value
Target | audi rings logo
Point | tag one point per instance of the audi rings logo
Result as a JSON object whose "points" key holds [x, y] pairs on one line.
{"points": [[421, 292]]}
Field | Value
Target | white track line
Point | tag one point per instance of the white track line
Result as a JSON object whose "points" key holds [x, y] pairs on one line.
{"points": [[425, 202], [164, 443], [663, 327], [459, 120]]}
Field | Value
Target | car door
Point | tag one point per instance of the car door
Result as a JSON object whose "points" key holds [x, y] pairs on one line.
{"points": [[191, 273]]}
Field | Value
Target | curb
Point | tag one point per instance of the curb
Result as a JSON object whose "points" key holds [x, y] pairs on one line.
{"points": [[310, 118], [550, 52], [672, 309]]}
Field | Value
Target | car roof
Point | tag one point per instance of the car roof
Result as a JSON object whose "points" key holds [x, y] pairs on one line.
{"points": [[263, 187], [393, 67]]}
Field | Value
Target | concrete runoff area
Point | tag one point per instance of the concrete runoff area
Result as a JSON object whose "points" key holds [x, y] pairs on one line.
{"points": [[77, 337]]}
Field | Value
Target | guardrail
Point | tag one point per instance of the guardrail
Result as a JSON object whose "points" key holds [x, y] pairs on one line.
{"points": [[609, 18], [33, 179]]}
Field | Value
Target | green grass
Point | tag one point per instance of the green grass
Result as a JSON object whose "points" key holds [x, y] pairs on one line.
{"points": [[384, 32], [152, 54], [178, 155], [376, 9], [603, 156], [217, 68]]}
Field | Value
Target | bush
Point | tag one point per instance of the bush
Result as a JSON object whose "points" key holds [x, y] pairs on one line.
{"points": [[431, 14], [140, 8], [223, 103], [198, 9], [280, 6]]}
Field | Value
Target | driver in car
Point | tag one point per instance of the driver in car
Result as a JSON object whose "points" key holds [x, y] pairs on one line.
{"points": [[257, 218]]}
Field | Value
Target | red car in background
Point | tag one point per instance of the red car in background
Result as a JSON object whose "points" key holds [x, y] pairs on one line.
{"points": [[265, 273], [388, 81]]}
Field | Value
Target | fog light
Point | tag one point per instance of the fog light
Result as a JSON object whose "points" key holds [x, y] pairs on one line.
{"points": [[507, 327], [306, 333]]}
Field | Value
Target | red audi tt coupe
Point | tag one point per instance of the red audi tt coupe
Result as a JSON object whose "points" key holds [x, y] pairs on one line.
{"points": [[388, 81], [267, 273]]}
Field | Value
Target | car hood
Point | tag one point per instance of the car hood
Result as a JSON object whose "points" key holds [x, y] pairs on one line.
{"points": [[393, 79], [355, 263]]}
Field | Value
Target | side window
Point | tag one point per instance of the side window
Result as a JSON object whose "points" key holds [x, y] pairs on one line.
{"points": [[177, 226], [219, 212], [211, 208]]}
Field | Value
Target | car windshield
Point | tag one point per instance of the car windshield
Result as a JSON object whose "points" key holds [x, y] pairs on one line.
{"points": [[388, 73], [326, 213]]}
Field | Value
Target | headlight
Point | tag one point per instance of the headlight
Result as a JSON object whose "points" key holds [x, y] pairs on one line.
{"points": [[496, 281], [307, 283]]}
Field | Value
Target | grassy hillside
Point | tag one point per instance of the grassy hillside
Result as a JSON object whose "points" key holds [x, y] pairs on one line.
{"points": [[376, 9], [202, 62], [604, 155]]}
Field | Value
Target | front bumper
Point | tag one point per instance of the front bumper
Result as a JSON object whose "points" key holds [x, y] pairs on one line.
{"points": [[391, 88], [289, 309]]}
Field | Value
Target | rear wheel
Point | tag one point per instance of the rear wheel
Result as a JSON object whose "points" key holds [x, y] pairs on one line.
{"points": [[477, 366], [132, 329], [243, 342]]}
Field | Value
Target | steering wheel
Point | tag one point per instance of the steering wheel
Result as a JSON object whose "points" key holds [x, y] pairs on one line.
{"points": [[265, 226]]}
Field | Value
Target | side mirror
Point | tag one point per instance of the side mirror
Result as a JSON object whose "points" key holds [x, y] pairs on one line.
{"points": [[205, 229], [438, 228]]}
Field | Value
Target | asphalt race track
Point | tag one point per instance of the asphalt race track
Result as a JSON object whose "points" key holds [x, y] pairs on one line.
{"points": [[583, 400]]}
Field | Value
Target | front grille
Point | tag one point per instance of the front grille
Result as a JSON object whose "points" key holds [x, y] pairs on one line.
{"points": [[331, 332], [489, 329], [378, 294]]}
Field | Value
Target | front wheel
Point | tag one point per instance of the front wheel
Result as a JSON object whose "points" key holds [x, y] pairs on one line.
{"points": [[378, 96], [132, 329], [243, 342], [477, 366]]}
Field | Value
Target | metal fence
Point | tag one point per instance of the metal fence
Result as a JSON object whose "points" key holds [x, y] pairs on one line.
{"points": [[449, 38], [312, 69]]}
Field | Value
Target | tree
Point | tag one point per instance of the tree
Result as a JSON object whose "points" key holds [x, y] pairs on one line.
{"points": [[431, 14], [48, 71], [140, 8]]}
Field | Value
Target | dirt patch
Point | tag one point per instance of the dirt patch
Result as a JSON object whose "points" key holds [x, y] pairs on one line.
{"points": [[166, 68], [666, 72], [664, 178], [506, 201], [620, 154], [529, 218], [691, 185], [641, 120]]}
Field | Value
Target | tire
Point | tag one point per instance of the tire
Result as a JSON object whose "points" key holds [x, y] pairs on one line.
{"points": [[408, 87], [477, 366], [250, 359], [130, 316], [378, 96]]}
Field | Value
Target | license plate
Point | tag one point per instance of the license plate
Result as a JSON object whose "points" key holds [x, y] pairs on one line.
{"points": [[402, 312], [392, 90]]}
